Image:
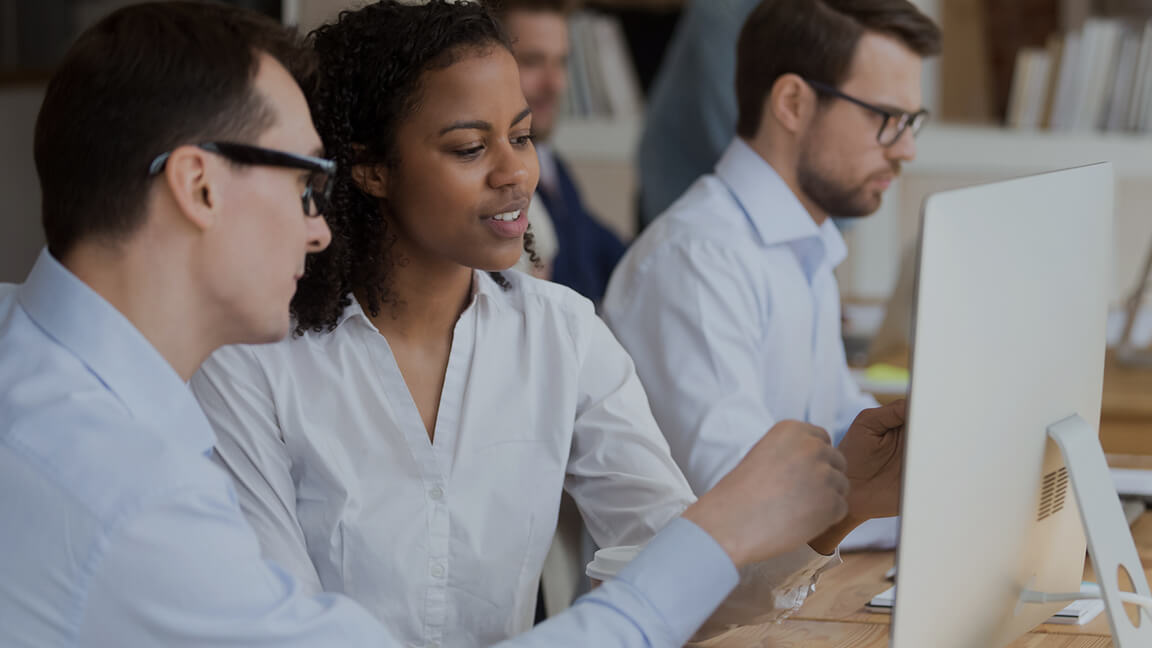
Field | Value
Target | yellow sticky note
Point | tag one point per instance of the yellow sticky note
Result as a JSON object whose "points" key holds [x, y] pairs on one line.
{"points": [[887, 373]]}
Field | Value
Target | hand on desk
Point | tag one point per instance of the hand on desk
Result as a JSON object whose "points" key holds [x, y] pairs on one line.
{"points": [[790, 487], [873, 448]]}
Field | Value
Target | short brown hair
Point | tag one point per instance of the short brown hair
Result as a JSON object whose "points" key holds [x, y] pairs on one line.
{"points": [[144, 80], [816, 39]]}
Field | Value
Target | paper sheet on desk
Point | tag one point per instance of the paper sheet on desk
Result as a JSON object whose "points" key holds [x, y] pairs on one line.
{"points": [[1077, 612], [880, 534], [1132, 482]]}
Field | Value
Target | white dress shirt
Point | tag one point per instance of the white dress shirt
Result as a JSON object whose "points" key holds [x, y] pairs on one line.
{"points": [[444, 540], [730, 309], [118, 531], [549, 174]]}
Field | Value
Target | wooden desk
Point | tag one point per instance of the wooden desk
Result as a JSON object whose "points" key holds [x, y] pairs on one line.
{"points": [[1126, 409], [834, 615]]}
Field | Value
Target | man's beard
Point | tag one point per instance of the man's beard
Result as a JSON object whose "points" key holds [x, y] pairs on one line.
{"points": [[543, 131], [835, 198]]}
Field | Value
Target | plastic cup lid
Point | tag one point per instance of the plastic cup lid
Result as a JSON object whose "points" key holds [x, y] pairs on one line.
{"points": [[610, 560]]}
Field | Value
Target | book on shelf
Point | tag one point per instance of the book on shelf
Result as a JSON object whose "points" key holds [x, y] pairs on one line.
{"points": [[603, 82], [1096, 78], [1029, 88]]}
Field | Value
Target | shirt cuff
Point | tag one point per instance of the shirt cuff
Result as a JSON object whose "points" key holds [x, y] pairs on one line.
{"points": [[683, 575]]}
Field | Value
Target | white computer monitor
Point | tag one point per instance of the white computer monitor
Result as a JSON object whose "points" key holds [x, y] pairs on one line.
{"points": [[1012, 296]]}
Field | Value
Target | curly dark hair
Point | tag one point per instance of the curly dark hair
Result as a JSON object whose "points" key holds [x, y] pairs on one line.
{"points": [[371, 64]]}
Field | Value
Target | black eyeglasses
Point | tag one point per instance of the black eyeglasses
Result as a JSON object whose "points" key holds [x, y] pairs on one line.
{"points": [[318, 187], [895, 122]]}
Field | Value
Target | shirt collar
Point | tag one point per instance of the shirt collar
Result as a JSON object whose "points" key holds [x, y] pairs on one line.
{"points": [[774, 212], [115, 351], [483, 286], [548, 171]]}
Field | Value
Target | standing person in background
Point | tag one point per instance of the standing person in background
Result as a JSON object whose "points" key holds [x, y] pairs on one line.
{"points": [[587, 251], [691, 113]]}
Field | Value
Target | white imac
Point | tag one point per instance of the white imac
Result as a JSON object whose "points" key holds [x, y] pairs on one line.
{"points": [[1007, 366]]}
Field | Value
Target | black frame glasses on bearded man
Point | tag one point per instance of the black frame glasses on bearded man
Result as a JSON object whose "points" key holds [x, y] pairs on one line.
{"points": [[895, 121], [317, 190]]}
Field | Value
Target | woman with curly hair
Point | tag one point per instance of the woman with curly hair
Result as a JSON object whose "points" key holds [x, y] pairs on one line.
{"points": [[410, 444]]}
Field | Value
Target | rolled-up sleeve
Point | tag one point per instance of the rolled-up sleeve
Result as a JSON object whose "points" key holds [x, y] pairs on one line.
{"points": [[620, 471]]}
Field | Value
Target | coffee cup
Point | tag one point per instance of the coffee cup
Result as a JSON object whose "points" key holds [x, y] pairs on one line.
{"points": [[609, 561]]}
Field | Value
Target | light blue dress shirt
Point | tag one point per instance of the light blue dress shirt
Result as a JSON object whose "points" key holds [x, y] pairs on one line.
{"points": [[117, 530], [730, 309]]}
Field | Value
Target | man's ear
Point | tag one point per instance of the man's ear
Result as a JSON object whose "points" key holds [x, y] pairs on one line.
{"points": [[371, 178], [188, 175], [791, 102]]}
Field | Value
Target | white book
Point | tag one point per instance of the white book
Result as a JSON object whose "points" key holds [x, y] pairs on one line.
{"points": [[1016, 96], [579, 90], [1144, 118], [1123, 83], [1140, 80], [1055, 49], [1080, 106], [585, 24], [621, 84], [1103, 40], [1035, 89], [1067, 86], [1076, 613]]}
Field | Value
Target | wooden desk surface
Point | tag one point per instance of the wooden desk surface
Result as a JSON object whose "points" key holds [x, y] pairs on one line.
{"points": [[1126, 409], [834, 615]]}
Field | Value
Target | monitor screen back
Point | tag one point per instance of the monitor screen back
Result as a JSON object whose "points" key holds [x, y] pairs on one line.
{"points": [[1011, 304]]}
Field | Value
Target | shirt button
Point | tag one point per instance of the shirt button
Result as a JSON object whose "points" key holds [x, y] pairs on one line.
{"points": [[436, 493], [437, 571]]}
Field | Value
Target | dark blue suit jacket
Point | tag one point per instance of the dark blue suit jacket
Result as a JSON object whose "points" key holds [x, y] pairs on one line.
{"points": [[588, 251]]}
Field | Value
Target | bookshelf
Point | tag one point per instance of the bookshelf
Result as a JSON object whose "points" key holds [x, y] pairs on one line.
{"points": [[955, 156], [941, 148], [602, 153]]}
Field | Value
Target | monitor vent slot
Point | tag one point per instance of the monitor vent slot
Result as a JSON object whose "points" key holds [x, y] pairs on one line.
{"points": [[1052, 492]]}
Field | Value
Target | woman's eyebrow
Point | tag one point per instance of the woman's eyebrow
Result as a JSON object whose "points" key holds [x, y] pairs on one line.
{"points": [[523, 114], [480, 124], [475, 124]]}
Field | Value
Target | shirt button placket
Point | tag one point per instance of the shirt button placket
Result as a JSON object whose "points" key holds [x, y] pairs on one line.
{"points": [[436, 606]]}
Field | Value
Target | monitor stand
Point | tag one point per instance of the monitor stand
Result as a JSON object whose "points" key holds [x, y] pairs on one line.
{"points": [[1109, 539]]}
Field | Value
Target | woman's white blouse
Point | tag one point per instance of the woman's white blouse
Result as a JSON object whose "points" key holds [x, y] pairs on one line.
{"points": [[444, 540]]}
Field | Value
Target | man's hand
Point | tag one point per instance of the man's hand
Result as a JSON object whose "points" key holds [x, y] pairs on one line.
{"points": [[874, 449], [789, 488]]}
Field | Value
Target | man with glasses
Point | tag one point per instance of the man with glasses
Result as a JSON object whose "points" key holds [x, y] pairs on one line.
{"points": [[182, 190], [728, 303]]}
